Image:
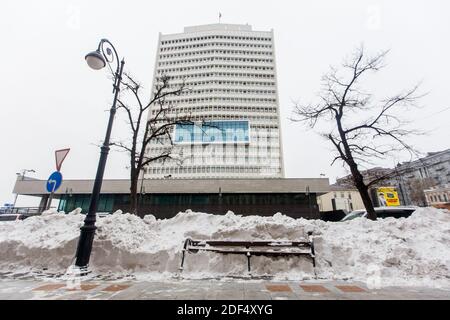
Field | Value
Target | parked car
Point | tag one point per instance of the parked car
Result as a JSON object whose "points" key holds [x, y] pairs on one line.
{"points": [[12, 217], [383, 212]]}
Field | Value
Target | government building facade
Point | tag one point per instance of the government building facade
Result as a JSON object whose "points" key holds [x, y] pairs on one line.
{"points": [[232, 100]]}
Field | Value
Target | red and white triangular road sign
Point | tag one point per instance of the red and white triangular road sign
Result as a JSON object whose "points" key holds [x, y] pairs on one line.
{"points": [[60, 155]]}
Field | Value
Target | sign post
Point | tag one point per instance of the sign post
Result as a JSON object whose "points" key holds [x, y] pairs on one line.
{"points": [[53, 183], [55, 179]]}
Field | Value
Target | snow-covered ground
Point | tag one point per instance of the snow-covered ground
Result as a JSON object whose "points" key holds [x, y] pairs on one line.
{"points": [[412, 251]]}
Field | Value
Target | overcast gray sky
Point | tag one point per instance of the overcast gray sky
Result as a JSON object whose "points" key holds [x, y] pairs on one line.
{"points": [[50, 99]]}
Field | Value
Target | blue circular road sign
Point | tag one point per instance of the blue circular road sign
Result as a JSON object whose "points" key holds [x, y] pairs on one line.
{"points": [[54, 181]]}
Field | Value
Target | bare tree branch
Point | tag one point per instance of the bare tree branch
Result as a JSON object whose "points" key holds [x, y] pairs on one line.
{"points": [[341, 101], [149, 122]]}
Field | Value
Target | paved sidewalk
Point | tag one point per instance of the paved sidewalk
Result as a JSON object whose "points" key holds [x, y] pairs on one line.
{"points": [[210, 289]]}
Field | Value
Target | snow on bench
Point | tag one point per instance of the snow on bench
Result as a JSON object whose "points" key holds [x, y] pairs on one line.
{"points": [[272, 248]]}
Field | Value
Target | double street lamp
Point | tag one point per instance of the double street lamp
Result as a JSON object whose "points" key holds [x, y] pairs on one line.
{"points": [[98, 59]]}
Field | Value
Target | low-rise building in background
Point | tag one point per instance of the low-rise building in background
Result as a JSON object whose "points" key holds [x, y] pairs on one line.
{"points": [[417, 176], [410, 179], [342, 198], [439, 196]]}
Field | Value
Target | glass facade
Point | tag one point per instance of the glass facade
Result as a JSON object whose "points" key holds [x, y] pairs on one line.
{"points": [[71, 202], [168, 205], [213, 132]]}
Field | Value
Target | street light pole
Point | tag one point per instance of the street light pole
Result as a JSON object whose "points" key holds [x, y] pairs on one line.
{"points": [[97, 60]]}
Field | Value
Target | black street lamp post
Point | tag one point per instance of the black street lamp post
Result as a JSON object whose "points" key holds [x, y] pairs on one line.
{"points": [[98, 60]]}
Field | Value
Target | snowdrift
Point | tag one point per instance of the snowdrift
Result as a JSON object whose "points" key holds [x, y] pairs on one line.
{"points": [[412, 251]]}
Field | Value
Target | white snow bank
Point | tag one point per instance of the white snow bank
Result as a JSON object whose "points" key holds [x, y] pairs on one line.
{"points": [[412, 251]]}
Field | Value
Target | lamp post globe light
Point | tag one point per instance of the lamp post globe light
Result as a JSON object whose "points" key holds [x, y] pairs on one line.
{"points": [[98, 59], [95, 60]]}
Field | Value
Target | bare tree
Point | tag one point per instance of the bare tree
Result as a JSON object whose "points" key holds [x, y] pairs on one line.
{"points": [[150, 122], [361, 130]]}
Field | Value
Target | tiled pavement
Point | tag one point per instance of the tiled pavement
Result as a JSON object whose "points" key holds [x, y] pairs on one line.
{"points": [[206, 289]]}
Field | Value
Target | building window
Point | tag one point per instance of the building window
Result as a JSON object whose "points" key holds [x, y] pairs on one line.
{"points": [[213, 131]]}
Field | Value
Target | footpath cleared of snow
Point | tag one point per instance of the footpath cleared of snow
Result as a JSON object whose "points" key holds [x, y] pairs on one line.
{"points": [[412, 251]]}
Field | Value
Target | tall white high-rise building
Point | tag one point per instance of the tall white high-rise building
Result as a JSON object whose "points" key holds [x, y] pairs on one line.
{"points": [[233, 101]]}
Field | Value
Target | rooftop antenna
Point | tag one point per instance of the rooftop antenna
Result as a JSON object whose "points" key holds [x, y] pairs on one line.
{"points": [[220, 16]]}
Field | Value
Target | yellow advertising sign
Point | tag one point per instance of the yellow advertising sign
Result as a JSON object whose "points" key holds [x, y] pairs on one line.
{"points": [[388, 197]]}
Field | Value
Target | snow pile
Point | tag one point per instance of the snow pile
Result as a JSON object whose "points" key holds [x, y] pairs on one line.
{"points": [[414, 251], [411, 251]]}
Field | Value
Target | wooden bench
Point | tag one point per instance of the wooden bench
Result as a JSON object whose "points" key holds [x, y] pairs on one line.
{"points": [[272, 248]]}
